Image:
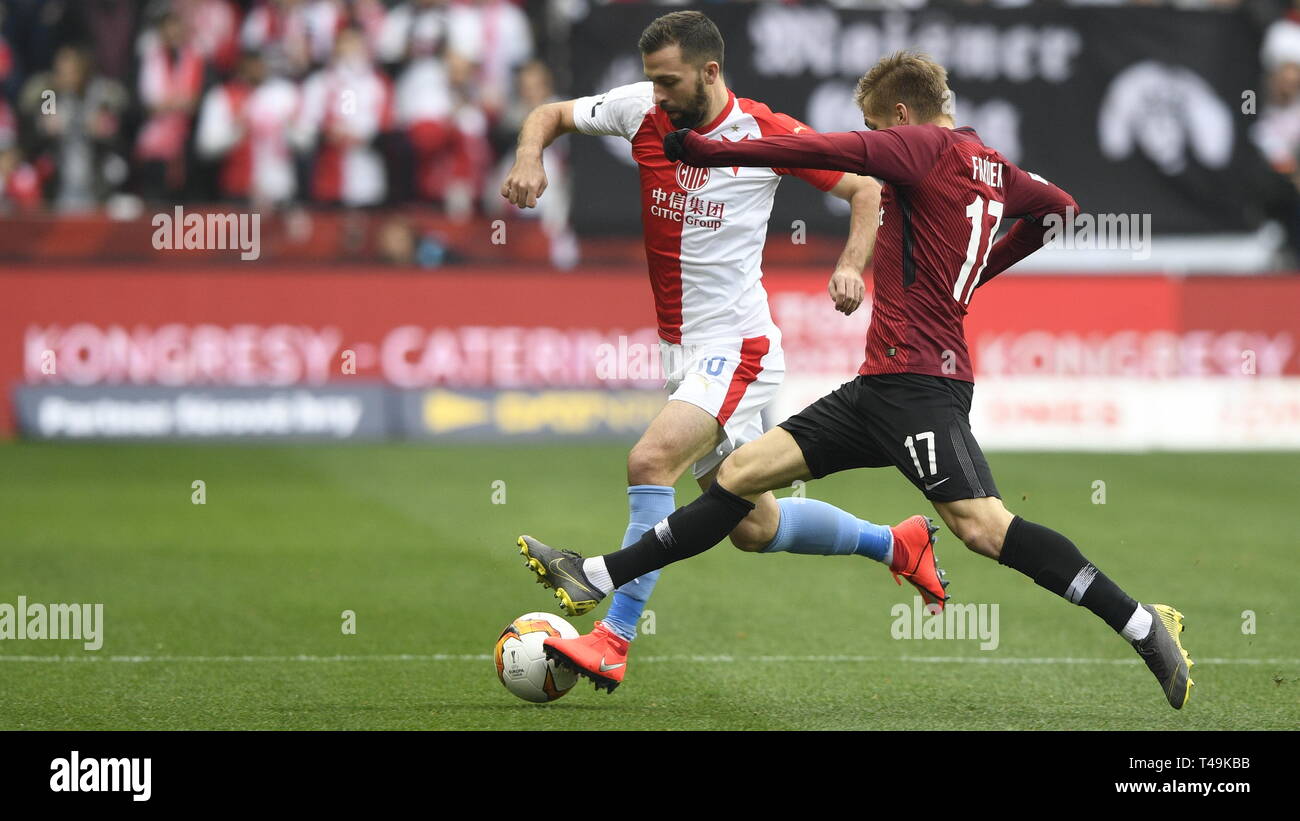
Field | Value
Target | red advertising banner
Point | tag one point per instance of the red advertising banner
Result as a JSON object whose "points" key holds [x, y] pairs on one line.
{"points": [[492, 328]]}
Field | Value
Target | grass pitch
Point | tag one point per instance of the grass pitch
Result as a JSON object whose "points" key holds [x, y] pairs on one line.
{"points": [[228, 614]]}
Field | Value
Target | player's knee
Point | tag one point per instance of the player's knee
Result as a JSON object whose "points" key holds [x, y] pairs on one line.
{"points": [[982, 535], [749, 537], [984, 543], [730, 470], [963, 530], [648, 465], [736, 472]]}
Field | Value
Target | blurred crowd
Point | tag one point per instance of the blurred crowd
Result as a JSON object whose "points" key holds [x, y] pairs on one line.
{"points": [[271, 102], [357, 103], [917, 4], [1277, 131]]}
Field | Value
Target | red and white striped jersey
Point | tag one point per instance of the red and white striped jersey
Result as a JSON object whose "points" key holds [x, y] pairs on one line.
{"points": [[704, 228]]}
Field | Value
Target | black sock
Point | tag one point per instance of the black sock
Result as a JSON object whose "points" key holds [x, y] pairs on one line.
{"points": [[687, 531], [1053, 562]]}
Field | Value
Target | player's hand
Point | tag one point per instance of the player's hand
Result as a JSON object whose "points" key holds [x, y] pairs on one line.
{"points": [[675, 144], [525, 183], [847, 290]]}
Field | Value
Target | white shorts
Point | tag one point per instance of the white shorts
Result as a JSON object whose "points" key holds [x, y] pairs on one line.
{"points": [[732, 380]]}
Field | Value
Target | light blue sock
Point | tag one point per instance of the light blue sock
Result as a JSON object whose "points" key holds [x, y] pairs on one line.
{"points": [[648, 505], [816, 528]]}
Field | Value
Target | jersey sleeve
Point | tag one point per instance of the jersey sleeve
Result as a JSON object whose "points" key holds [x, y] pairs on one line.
{"points": [[616, 113], [1032, 199], [775, 123], [902, 155]]}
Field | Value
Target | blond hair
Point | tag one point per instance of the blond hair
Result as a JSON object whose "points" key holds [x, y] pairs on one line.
{"points": [[906, 77]]}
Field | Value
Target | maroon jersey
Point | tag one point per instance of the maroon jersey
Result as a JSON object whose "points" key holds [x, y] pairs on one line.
{"points": [[945, 195]]}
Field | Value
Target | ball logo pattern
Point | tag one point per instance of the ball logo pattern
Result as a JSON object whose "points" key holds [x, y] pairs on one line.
{"points": [[522, 665]]}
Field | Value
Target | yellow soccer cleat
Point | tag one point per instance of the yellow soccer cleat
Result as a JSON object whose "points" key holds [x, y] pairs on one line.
{"points": [[1164, 654], [561, 570]]}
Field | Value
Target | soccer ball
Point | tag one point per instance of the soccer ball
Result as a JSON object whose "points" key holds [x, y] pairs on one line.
{"points": [[522, 666]]}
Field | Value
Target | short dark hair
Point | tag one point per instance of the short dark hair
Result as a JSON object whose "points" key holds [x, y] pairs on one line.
{"points": [[691, 31]]}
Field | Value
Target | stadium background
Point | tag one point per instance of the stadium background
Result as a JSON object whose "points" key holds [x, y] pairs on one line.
{"points": [[395, 298], [464, 318]]}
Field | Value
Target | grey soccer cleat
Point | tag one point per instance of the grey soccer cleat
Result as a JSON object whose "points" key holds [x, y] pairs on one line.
{"points": [[1164, 654], [561, 570]]}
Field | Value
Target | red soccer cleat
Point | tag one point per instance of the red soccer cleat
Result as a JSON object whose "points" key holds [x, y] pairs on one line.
{"points": [[601, 655], [915, 561]]}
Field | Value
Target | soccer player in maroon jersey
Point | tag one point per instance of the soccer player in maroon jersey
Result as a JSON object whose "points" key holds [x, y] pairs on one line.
{"points": [[945, 194]]}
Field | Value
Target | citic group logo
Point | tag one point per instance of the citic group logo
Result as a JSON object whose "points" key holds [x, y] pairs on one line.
{"points": [[691, 178]]}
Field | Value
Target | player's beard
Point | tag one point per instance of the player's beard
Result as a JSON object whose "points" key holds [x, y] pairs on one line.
{"points": [[693, 115]]}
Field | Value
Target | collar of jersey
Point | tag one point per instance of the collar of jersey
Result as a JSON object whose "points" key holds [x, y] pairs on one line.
{"points": [[722, 117]]}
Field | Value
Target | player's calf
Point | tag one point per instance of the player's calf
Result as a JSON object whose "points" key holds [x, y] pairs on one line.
{"points": [[1054, 563]]}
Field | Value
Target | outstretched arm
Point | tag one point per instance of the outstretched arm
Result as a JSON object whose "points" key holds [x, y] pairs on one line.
{"points": [[842, 151], [901, 155]]}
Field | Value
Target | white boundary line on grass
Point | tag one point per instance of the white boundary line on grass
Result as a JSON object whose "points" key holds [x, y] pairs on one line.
{"points": [[696, 659]]}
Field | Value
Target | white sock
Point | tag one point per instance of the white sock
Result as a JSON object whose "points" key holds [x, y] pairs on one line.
{"points": [[594, 570], [1139, 624], [888, 559]]}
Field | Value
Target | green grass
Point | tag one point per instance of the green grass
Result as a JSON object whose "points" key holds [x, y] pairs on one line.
{"points": [[409, 539]]}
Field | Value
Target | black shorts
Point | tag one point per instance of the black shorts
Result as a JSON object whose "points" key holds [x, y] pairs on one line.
{"points": [[919, 424]]}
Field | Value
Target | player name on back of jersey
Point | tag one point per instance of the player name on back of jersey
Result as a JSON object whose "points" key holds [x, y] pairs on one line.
{"points": [[986, 171]]}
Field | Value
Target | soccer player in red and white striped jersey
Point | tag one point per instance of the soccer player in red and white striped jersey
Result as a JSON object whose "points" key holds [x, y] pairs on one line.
{"points": [[704, 234], [946, 193]]}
